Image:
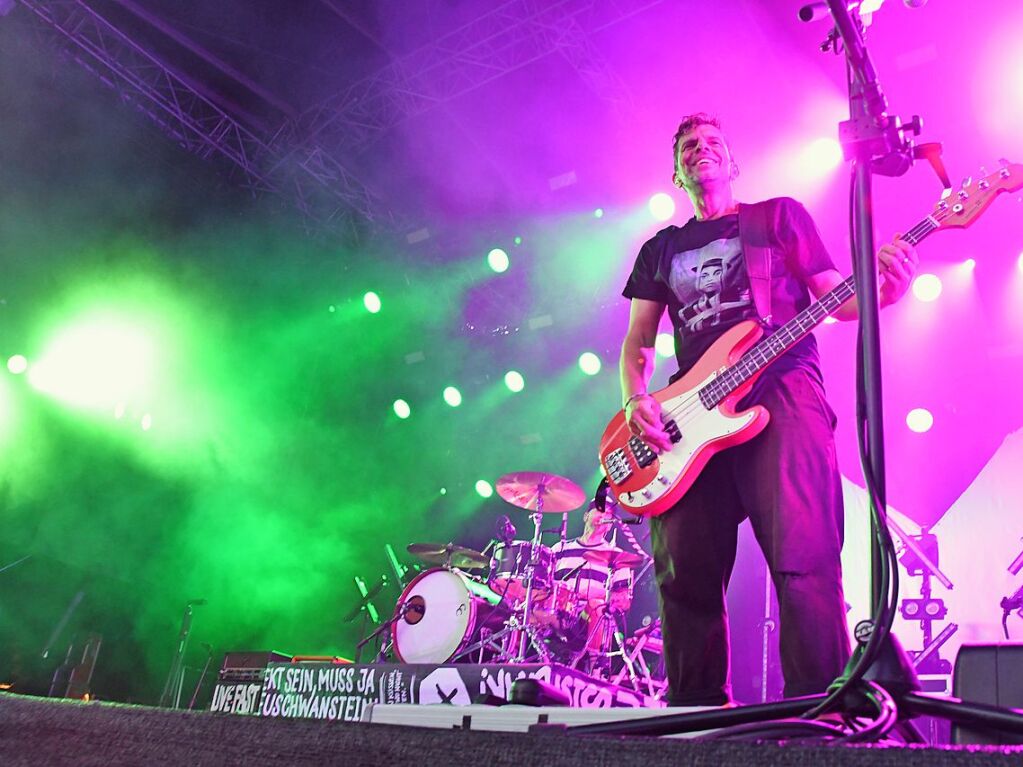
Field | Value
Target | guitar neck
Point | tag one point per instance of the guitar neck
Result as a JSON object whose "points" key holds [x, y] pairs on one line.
{"points": [[793, 331]]}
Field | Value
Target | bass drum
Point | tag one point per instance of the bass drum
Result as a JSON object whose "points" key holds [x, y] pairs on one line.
{"points": [[443, 612]]}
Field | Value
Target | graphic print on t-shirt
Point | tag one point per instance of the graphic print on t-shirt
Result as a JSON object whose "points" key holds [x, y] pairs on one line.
{"points": [[711, 285]]}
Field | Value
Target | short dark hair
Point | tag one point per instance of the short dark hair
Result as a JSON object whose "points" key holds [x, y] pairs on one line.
{"points": [[688, 123]]}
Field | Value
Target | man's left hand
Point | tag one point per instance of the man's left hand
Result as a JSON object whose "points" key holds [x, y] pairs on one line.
{"points": [[897, 262]]}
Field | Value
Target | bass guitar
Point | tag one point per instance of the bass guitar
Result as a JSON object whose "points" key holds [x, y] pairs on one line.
{"points": [[699, 410]]}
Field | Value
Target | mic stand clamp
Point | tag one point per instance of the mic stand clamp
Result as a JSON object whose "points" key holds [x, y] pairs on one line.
{"points": [[385, 627]]}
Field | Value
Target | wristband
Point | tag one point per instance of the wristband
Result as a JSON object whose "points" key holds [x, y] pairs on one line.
{"points": [[635, 397]]}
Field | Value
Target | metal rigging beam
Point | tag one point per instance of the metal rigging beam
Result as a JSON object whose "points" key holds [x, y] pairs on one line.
{"points": [[328, 195], [505, 39]]}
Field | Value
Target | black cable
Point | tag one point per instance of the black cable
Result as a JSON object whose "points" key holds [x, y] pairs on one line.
{"points": [[779, 729], [887, 716], [886, 607]]}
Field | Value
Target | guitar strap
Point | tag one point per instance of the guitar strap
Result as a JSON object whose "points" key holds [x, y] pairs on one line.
{"points": [[756, 247]]}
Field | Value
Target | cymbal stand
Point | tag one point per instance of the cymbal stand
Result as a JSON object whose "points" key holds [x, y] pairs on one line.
{"points": [[518, 632], [527, 633]]}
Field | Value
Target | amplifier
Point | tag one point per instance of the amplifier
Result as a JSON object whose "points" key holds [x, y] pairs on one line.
{"points": [[240, 680], [992, 674]]}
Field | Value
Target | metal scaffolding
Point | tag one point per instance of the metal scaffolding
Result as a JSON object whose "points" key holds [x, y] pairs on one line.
{"points": [[507, 38], [329, 196], [303, 160]]}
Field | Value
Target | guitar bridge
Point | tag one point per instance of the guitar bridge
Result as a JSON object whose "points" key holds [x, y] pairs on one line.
{"points": [[617, 465]]}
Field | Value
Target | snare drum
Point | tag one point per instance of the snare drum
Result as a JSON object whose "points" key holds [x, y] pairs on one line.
{"points": [[508, 570], [443, 611]]}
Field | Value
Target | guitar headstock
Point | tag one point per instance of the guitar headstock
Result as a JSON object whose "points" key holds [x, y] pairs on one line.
{"points": [[963, 206]]}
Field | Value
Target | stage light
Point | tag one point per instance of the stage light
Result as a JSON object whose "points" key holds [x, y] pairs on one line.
{"points": [[514, 380], [518, 240], [927, 287], [665, 344], [589, 363], [452, 396], [146, 422], [662, 206], [484, 488], [970, 264], [1019, 262], [372, 302], [402, 409], [99, 361], [598, 213], [498, 260], [919, 420], [820, 156], [17, 364]]}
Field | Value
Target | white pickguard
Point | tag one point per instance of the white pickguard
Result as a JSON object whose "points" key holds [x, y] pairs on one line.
{"points": [[698, 427]]}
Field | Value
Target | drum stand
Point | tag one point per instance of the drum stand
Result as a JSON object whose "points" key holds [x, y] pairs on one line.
{"points": [[655, 688], [518, 633], [612, 636]]}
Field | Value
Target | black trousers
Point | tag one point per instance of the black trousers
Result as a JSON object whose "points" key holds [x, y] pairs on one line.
{"points": [[786, 482]]}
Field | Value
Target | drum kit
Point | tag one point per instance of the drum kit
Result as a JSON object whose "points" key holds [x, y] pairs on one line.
{"points": [[505, 604]]}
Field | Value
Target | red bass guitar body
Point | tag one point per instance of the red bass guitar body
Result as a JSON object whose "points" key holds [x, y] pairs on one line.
{"points": [[649, 484]]}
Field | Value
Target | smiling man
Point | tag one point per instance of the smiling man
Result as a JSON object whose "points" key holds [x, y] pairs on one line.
{"points": [[731, 262]]}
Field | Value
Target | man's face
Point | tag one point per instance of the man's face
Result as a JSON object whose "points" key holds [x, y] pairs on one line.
{"points": [[703, 158], [598, 521]]}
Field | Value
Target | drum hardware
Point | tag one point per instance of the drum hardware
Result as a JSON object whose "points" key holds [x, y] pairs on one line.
{"points": [[539, 493], [366, 607], [645, 640]]}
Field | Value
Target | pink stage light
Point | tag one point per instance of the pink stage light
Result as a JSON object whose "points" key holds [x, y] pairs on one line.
{"points": [[1019, 262], [927, 287], [820, 156], [970, 264], [919, 420]]}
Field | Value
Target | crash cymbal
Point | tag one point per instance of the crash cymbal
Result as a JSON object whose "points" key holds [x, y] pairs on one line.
{"points": [[614, 558], [555, 494], [448, 555]]}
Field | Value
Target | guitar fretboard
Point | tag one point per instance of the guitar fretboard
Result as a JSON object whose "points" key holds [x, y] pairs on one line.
{"points": [[785, 337]]}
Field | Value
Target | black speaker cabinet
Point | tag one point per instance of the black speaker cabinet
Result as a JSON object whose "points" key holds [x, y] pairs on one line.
{"points": [[993, 674]]}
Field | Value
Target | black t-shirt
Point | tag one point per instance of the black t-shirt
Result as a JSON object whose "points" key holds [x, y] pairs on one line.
{"points": [[698, 271]]}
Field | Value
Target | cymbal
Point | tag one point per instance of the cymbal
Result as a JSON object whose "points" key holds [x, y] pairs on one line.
{"points": [[526, 488], [448, 555], [614, 559]]}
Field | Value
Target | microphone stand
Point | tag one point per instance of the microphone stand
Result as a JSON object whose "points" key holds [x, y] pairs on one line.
{"points": [[175, 679]]}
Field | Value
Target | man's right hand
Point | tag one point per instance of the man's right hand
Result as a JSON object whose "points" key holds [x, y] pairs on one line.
{"points": [[643, 414]]}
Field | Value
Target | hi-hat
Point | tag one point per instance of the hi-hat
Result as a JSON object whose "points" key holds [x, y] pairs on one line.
{"points": [[448, 555], [540, 491], [614, 559]]}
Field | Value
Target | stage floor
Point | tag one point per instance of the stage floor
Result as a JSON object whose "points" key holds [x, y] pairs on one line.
{"points": [[44, 731]]}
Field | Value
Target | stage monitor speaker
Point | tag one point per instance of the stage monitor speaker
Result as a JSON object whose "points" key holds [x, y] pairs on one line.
{"points": [[993, 674]]}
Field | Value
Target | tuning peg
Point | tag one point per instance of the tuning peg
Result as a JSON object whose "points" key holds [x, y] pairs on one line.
{"points": [[967, 181]]}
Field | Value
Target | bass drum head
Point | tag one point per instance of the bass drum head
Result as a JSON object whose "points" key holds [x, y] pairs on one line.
{"points": [[439, 615]]}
